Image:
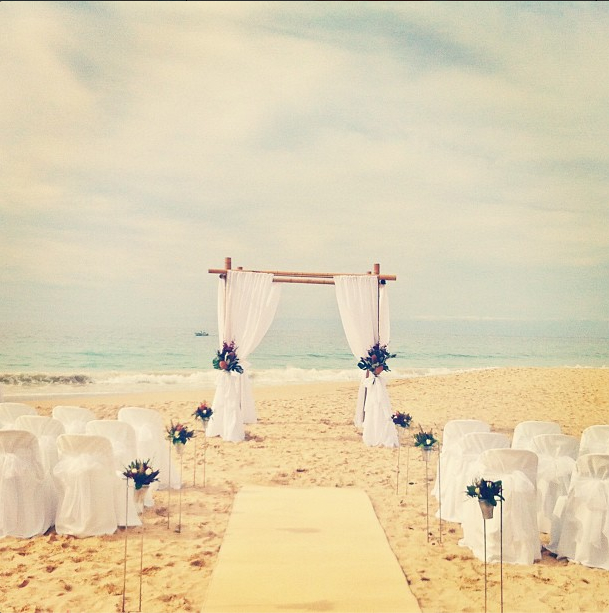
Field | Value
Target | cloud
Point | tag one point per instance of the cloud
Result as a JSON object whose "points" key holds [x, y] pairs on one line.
{"points": [[462, 145]]}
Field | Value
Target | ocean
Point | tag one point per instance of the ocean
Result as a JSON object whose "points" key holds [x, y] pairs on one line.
{"points": [[37, 361]]}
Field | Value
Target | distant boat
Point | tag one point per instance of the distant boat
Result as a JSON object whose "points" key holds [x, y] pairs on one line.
{"points": [[201, 333]]}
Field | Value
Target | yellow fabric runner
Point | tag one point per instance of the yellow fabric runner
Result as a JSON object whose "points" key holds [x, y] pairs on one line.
{"points": [[306, 549]]}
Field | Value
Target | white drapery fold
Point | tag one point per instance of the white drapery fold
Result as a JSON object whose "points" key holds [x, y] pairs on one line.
{"points": [[247, 303], [364, 310]]}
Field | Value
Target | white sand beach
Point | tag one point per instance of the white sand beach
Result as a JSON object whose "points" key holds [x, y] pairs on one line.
{"points": [[305, 437]]}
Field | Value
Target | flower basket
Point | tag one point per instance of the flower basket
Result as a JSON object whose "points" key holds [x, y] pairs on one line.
{"points": [[401, 419], [487, 509], [139, 496], [142, 474], [376, 360], [179, 435], [488, 493], [426, 453], [203, 412], [226, 358], [425, 441]]}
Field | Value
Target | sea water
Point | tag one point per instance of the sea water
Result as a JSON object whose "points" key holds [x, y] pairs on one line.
{"points": [[103, 359]]}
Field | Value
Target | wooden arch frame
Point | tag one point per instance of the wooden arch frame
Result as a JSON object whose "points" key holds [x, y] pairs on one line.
{"points": [[319, 278]]}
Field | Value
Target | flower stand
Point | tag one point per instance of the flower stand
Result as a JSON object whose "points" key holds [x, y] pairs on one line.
{"points": [[139, 495], [180, 450], [487, 509], [426, 454], [194, 474]]}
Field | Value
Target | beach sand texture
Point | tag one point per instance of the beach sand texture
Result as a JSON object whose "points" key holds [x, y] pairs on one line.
{"points": [[305, 437]]}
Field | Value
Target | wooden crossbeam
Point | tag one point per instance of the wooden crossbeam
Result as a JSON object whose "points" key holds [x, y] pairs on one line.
{"points": [[319, 278]]}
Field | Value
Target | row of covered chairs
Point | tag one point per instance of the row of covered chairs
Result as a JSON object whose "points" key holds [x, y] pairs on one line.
{"points": [[84, 495], [77, 477], [73, 418], [537, 468]]}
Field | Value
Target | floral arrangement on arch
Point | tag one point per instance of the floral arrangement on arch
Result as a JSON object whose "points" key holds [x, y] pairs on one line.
{"points": [[376, 360], [488, 491], [179, 434], [401, 419], [203, 412], [142, 473], [226, 358], [424, 439]]}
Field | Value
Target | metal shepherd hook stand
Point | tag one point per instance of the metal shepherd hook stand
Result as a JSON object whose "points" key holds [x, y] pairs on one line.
{"points": [[194, 475], [426, 451], [180, 449], [141, 493], [402, 422], [440, 490], [169, 485], [487, 513], [141, 561], [203, 414], [397, 472], [501, 546], [126, 532]]}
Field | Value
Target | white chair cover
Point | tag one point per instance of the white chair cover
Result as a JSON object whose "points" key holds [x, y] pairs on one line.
{"points": [[152, 443], [517, 470], [46, 429], [594, 439], [247, 302], [9, 411], [452, 433], [124, 448], [580, 525], [464, 452], [27, 501], [73, 418], [364, 310], [88, 487], [526, 430], [556, 455]]}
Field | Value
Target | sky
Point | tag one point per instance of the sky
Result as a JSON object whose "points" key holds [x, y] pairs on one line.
{"points": [[463, 146]]}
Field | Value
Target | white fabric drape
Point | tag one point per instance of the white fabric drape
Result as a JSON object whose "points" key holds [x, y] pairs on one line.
{"points": [[364, 310], [247, 303]]}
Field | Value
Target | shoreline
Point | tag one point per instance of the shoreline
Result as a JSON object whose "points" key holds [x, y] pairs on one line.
{"points": [[305, 438], [259, 379]]}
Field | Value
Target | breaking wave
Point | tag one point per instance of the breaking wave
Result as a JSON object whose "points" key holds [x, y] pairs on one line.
{"points": [[42, 384]]}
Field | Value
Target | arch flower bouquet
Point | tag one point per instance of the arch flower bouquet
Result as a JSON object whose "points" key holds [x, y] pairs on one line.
{"points": [[227, 359], [376, 360]]}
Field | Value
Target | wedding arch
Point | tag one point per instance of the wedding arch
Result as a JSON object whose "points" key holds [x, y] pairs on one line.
{"points": [[247, 303]]}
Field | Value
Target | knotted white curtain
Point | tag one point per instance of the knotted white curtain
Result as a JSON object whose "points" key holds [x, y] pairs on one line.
{"points": [[247, 303], [364, 310]]}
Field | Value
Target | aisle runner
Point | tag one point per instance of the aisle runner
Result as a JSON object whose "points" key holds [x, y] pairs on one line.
{"points": [[306, 549]]}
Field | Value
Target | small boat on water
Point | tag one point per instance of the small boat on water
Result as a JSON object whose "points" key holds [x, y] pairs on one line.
{"points": [[201, 333]]}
